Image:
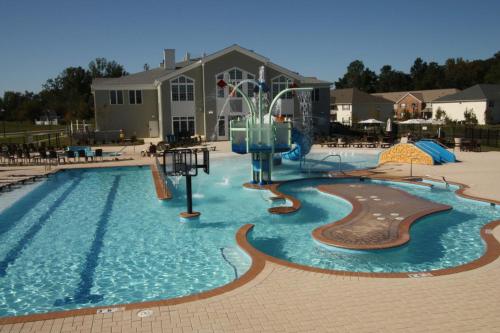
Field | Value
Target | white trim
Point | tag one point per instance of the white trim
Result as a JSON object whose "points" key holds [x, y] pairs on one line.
{"points": [[204, 101], [461, 100], [160, 112], [244, 76], [135, 96], [123, 87], [276, 77], [409, 93], [116, 97], [179, 101], [186, 84]]}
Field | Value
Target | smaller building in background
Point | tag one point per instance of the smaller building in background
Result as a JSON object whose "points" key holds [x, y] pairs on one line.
{"points": [[481, 102], [416, 103], [49, 117], [348, 106]]}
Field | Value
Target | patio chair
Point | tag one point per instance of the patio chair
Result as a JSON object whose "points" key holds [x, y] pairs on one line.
{"points": [[98, 153], [70, 154], [42, 156]]}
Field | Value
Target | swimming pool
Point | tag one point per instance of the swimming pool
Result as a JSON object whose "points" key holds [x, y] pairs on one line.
{"points": [[93, 237]]}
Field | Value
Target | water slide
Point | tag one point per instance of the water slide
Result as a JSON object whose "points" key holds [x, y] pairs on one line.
{"points": [[302, 146], [438, 153]]}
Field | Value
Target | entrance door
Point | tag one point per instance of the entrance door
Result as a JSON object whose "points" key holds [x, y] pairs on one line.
{"points": [[153, 128], [222, 130]]}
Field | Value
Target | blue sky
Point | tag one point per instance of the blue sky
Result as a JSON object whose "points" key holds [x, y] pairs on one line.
{"points": [[317, 38]]}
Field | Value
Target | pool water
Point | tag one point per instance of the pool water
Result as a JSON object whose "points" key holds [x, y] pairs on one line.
{"points": [[93, 237]]}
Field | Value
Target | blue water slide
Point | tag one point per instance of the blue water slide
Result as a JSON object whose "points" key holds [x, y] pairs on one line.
{"points": [[302, 146], [438, 153], [445, 155]]}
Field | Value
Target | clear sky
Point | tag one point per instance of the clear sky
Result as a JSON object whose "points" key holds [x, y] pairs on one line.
{"points": [[316, 38]]}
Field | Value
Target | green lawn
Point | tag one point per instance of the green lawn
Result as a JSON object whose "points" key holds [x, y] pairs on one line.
{"points": [[21, 126]]}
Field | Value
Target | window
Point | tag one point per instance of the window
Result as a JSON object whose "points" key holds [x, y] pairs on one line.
{"points": [[184, 126], [403, 105], [281, 83], [315, 95], [250, 86], [135, 96], [346, 107], [221, 127], [182, 89], [220, 90], [115, 97], [234, 76]]}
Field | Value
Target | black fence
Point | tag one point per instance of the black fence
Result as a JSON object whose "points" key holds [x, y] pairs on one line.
{"points": [[486, 135]]}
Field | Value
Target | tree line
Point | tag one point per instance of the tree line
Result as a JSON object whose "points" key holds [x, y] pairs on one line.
{"points": [[454, 73], [68, 95]]}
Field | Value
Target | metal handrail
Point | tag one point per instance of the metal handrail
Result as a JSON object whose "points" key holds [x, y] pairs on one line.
{"points": [[326, 157]]}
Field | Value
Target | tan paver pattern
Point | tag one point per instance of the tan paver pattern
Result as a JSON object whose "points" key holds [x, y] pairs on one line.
{"points": [[381, 216]]}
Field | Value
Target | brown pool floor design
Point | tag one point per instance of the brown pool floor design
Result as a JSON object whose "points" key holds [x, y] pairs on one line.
{"points": [[381, 216]]}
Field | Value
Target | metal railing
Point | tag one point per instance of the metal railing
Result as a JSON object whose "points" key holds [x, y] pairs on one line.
{"points": [[324, 159]]}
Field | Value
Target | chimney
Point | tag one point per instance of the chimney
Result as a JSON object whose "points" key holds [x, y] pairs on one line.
{"points": [[169, 59], [187, 57]]}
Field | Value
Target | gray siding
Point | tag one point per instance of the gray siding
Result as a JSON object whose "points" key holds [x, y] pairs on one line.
{"points": [[132, 118], [216, 66]]}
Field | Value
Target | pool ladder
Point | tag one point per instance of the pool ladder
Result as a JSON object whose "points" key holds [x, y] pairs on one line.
{"points": [[308, 170]]}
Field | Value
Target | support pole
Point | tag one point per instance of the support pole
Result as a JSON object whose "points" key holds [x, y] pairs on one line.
{"points": [[189, 195]]}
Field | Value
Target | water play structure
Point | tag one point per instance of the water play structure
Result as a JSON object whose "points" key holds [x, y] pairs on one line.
{"points": [[184, 162], [264, 132]]}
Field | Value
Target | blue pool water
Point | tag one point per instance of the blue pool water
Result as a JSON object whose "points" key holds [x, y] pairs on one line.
{"points": [[100, 237]]}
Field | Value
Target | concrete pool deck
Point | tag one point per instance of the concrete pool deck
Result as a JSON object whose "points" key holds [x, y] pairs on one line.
{"points": [[282, 298]]}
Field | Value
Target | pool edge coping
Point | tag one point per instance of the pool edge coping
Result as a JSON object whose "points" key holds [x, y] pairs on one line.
{"points": [[259, 260]]}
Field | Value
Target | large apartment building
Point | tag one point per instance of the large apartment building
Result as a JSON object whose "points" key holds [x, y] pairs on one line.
{"points": [[183, 98]]}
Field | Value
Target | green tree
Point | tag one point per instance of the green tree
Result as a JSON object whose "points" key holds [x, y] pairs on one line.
{"points": [[357, 76], [470, 117], [101, 67], [391, 80], [492, 74], [69, 94]]}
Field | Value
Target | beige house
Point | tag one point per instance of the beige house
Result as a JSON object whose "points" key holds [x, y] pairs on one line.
{"points": [[415, 103], [348, 106], [183, 98], [482, 101]]}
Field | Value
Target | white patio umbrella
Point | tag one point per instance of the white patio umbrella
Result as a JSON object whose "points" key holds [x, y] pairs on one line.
{"points": [[435, 121], [388, 126], [414, 121], [371, 121]]}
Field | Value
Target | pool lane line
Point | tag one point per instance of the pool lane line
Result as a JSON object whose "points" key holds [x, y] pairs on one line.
{"points": [[36, 196], [230, 263], [23, 243], [83, 292]]}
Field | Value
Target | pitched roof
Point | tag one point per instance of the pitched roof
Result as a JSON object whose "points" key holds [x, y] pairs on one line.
{"points": [[313, 80], [478, 92], [155, 76], [353, 95], [425, 96], [145, 77]]}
